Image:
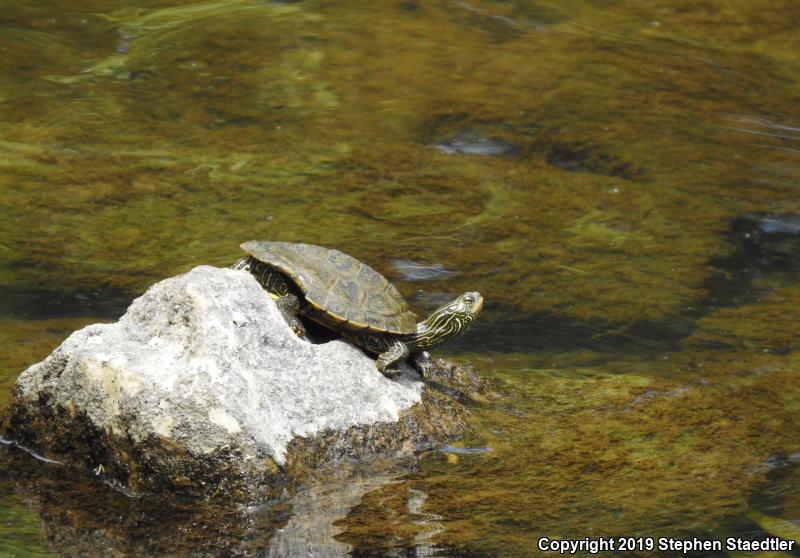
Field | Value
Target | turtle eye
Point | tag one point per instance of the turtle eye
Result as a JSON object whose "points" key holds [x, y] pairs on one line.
{"points": [[469, 299]]}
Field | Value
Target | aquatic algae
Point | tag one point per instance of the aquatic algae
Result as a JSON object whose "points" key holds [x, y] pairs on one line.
{"points": [[667, 453], [139, 142], [21, 534], [765, 324], [253, 110], [782, 528]]}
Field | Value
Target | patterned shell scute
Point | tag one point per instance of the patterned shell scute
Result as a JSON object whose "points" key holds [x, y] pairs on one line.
{"points": [[349, 291]]}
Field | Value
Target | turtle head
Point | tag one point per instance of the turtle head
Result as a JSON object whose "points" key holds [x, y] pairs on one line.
{"points": [[449, 321]]}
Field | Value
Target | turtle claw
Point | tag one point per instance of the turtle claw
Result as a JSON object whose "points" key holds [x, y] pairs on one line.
{"points": [[297, 327], [424, 364]]}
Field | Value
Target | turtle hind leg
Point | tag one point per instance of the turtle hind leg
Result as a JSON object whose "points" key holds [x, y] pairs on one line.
{"points": [[395, 353], [289, 305]]}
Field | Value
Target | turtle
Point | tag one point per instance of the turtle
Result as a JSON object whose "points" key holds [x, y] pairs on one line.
{"points": [[347, 296]]}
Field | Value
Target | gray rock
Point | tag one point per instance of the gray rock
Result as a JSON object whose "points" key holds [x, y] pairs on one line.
{"points": [[201, 386]]}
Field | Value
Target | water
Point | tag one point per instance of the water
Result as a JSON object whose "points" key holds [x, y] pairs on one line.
{"points": [[618, 179]]}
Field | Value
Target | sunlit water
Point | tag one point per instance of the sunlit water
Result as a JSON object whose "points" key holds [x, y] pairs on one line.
{"points": [[618, 179]]}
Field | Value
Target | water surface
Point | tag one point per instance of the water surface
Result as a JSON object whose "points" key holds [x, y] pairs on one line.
{"points": [[618, 179]]}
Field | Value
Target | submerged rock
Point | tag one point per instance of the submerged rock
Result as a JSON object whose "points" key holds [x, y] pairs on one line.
{"points": [[768, 241], [581, 157], [202, 388]]}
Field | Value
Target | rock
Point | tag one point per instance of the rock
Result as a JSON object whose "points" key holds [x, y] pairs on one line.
{"points": [[767, 242], [202, 388]]}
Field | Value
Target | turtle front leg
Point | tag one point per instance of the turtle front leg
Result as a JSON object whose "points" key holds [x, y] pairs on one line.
{"points": [[277, 287], [396, 352], [423, 363], [289, 305]]}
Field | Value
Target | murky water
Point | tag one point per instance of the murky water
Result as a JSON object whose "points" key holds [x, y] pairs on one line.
{"points": [[619, 179]]}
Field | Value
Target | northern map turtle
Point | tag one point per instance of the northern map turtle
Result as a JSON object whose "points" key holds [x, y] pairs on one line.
{"points": [[343, 294]]}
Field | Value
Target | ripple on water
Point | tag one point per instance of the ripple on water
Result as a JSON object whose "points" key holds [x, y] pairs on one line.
{"points": [[463, 451], [471, 143], [416, 271]]}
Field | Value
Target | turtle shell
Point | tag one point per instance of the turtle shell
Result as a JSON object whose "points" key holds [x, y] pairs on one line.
{"points": [[349, 294]]}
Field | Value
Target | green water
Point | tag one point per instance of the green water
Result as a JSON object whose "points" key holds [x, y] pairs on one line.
{"points": [[601, 172]]}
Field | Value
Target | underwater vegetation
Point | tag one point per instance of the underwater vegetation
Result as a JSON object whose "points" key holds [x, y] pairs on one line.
{"points": [[618, 179]]}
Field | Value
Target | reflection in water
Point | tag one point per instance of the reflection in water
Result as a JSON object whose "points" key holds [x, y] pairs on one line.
{"points": [[311, 530], [82, 517], [429, 524]]}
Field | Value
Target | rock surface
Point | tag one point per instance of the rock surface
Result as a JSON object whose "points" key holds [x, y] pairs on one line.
{"points": [[201, 387]]}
